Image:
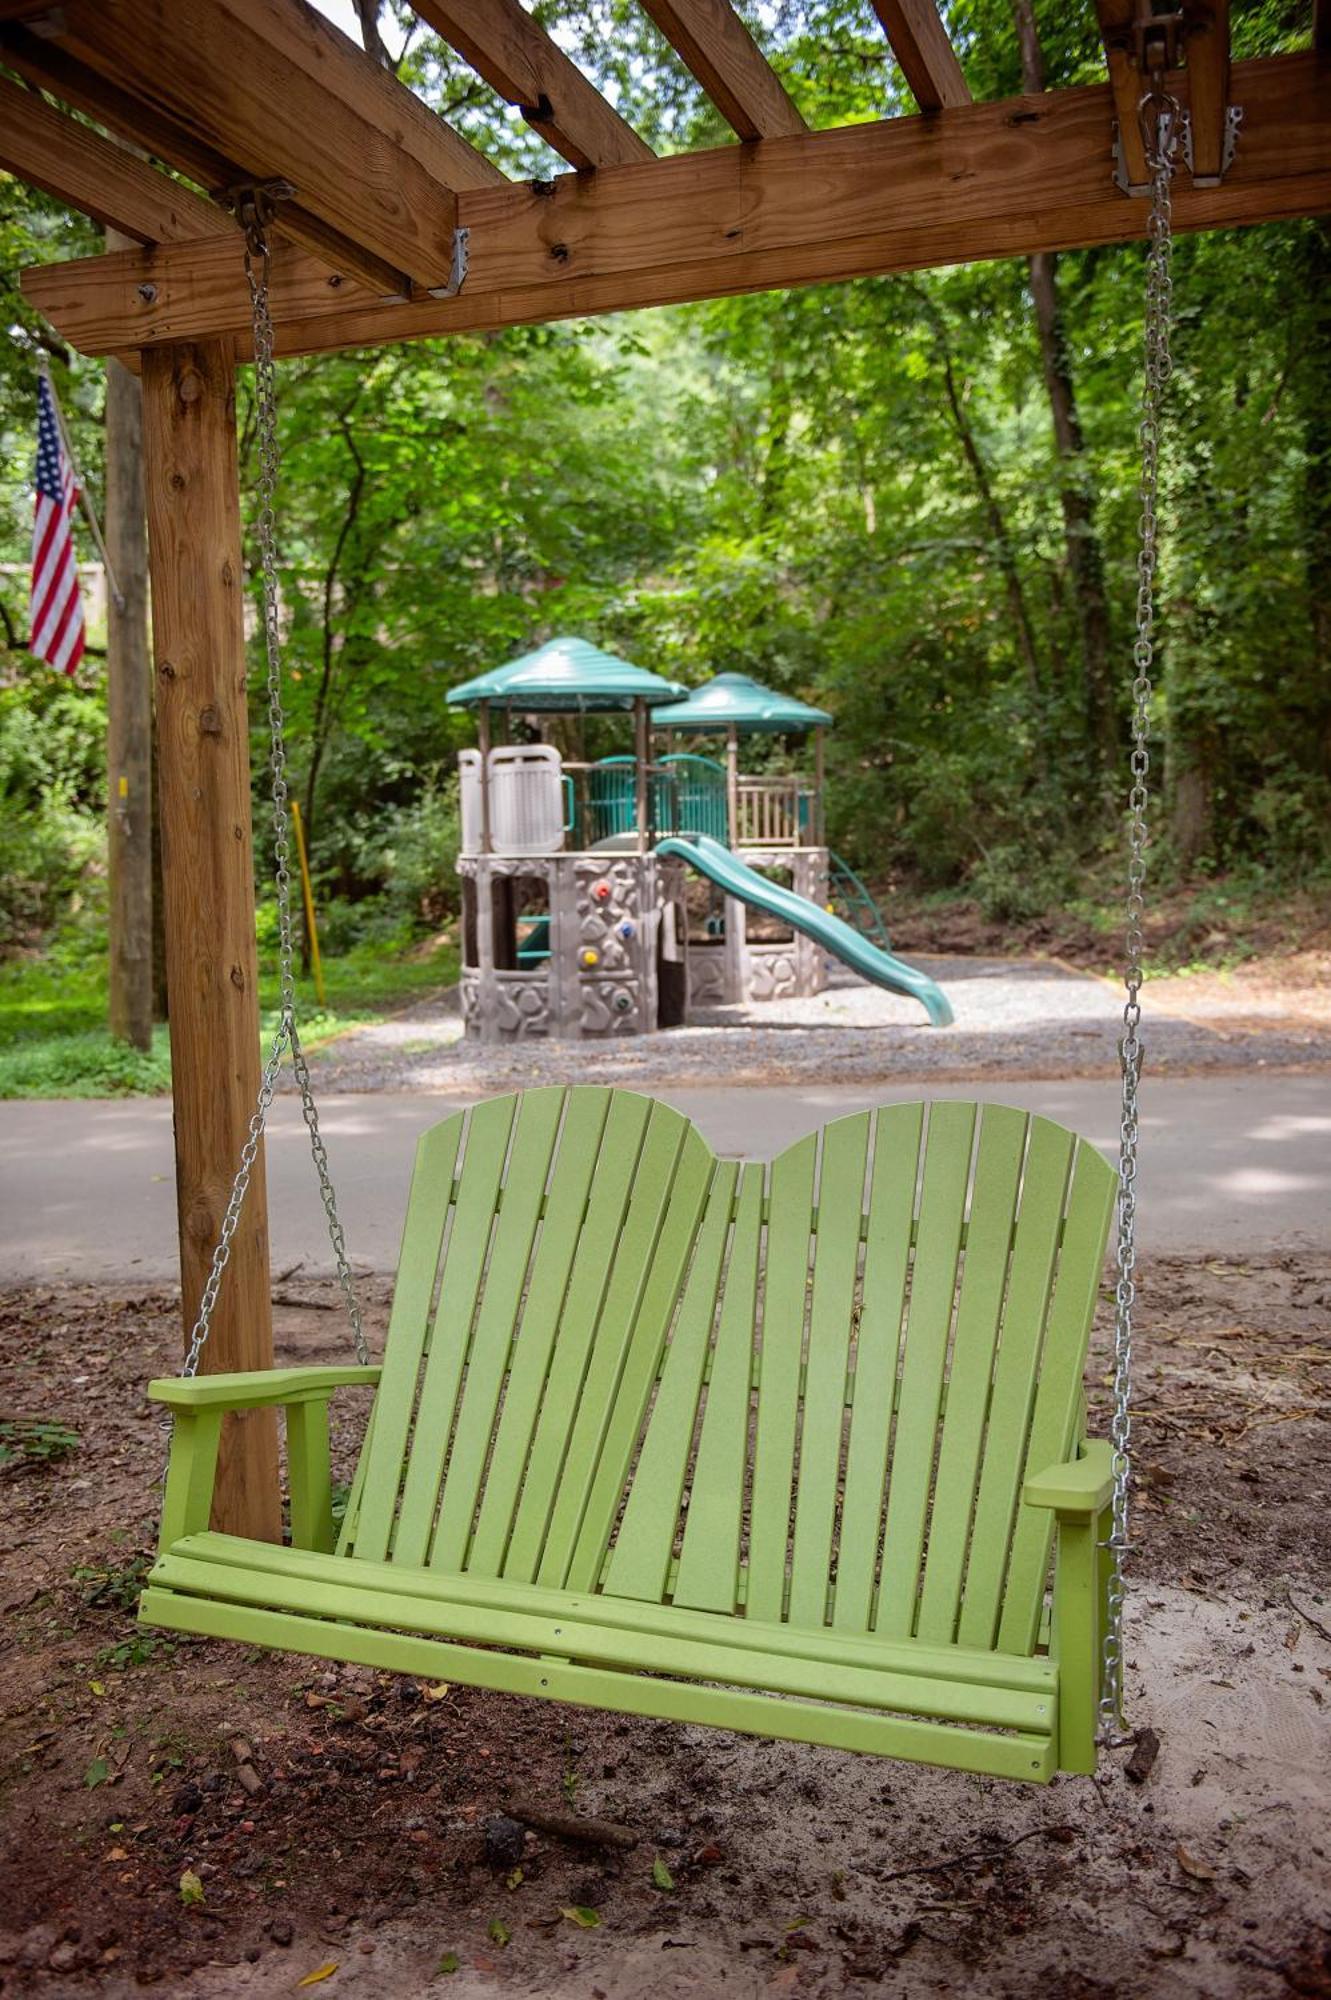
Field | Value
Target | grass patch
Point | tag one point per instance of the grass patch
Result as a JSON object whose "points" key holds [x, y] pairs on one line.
{"points": [[54, 1041]]}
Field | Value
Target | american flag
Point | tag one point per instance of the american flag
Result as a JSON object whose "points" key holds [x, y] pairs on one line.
{"points": [[55, 612]]}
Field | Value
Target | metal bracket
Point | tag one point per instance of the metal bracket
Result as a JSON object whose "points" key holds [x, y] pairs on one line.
{"points": [[1143, 188], [1121, 181], [457, 276], [254, 204], [1228, 147]]}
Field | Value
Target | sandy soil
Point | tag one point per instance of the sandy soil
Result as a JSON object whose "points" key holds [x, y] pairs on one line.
{"points": [[1014, 1017], [357, 1841]]}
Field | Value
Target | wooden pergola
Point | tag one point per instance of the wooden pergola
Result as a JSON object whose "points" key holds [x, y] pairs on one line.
{"points": [[381, 204]]}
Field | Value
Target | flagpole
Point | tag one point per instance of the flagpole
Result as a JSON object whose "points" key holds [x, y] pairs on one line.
{"points": [[89, 515]]}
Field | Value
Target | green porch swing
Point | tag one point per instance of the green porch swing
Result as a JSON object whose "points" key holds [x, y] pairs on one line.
{"points": [[796, 1449]]}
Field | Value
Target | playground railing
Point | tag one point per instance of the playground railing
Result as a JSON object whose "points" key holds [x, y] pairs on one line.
{"points": [[776, 812]]}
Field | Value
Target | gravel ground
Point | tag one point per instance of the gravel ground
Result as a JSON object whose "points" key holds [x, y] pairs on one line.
{"points": [[1023, 1018]]}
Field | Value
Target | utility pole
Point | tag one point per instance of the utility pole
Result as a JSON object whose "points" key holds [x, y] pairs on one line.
{"points": [[128, 710]]}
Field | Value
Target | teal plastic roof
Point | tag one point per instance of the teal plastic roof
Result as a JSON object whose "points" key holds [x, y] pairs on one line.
{"points": [[566, 677], [738, 702]]}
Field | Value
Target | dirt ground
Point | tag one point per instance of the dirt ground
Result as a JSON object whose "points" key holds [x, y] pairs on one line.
{"points": [[1192, 924], [207, 1820]]}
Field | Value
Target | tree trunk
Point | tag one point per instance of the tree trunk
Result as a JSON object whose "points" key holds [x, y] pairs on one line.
{"points": [[1314, 390], [128, 712], [1085, 561], [998, 530]]}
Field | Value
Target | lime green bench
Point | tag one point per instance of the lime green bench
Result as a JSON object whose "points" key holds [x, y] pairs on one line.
{"points": [[796, 1449]]}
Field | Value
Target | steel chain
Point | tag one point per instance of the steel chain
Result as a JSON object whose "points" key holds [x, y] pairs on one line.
{"points": [[1162, 131], [287, 1035]]}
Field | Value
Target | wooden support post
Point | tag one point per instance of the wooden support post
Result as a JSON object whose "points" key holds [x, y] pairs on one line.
{"points": [[732, 786], [642, 757], [820, 786], [483, 745], [208, 881], [129, 714]]}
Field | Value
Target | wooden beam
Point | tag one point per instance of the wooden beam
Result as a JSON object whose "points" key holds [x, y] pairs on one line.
{"points": [[518, 59], [712, 41], [928, 60], [198, 594], [38, 61], [1206, 49], [41, 63], [1322, 27], [272, 86], [989, 180], [79, 167]]}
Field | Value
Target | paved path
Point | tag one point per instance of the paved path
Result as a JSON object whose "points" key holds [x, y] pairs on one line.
{"points": [[1234, 1164]]}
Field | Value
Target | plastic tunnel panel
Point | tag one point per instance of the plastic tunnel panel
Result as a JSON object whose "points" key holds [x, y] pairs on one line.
{"points": [[736, 878]]}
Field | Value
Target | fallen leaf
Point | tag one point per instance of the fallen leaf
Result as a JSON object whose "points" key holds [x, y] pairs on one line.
{"points": [[97, 1772], [579, 1914], [440, 1691], [1200, 1871], [499, 1932], [98, 1687], [513, 1878], [191, 1888], [320, 1973], [661, 1876], [449, 1962]]}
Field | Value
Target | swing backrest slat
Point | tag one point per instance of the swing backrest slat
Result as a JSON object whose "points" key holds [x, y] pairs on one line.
{"points": [[804, 1393]]}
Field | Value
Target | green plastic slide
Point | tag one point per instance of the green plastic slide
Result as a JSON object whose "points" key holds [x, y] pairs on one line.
{"points": [[732, 875]]}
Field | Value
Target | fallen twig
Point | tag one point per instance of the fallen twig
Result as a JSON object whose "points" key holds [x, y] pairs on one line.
{"points": [[1307, 1616], [979, 1853], [571, 1826]]}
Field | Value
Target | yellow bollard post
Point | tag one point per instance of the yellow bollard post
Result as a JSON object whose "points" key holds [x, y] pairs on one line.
{"points": [[307, 892]]}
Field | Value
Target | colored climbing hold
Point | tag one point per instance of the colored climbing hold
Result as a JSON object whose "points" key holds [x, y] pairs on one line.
{"points": [[591, 957], [602, 892], [622, 1003], [627, 929]]}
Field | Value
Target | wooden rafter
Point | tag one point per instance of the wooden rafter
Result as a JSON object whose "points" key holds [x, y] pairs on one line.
{"points": [[41, 63], [1116, 18], [712, 42], [1207, 54], [272, 87], [518, 59], [928, 60], [81, 168], [988, 180], [1204, 52], [1322, 27], [38, 60]]}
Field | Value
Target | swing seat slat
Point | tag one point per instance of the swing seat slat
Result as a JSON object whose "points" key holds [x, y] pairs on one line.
{"points": [[795, 1449]]}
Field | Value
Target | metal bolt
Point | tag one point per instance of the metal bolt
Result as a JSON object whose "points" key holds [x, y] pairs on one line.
{"points": [[148, 293]]}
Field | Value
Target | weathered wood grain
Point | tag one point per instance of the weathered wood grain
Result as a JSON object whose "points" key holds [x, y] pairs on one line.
{"points": [[988, 180]]}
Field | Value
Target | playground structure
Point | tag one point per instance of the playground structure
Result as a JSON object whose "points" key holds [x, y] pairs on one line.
{"points": [[577, 916]]}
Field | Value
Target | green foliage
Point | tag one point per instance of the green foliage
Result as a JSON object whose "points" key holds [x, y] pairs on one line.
{"points": [[851, 491], [52, 783], [34, 1441], [114, 1586]]}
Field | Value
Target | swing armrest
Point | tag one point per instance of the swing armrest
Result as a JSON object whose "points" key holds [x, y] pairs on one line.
{"points": [[199, 1406], [257, 1388], [1082, 1487]]}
